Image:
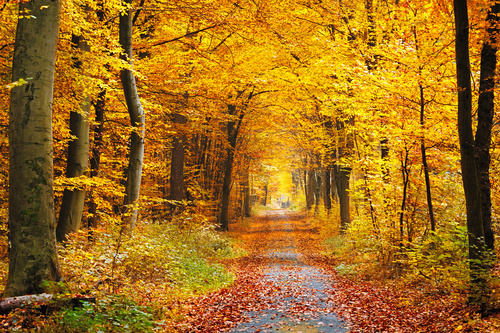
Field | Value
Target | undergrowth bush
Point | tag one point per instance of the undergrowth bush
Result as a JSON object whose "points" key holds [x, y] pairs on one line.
{"points": [[111, 313], [437, 261], [156, 264], [440, 259]]}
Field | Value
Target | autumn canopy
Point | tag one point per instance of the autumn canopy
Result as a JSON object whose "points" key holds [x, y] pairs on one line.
{"points": [[377, 117]]}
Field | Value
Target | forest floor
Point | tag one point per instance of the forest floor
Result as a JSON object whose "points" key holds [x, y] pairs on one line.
{"points": [[286, 284]]}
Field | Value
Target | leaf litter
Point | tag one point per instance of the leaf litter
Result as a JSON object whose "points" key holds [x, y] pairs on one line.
{"points": [[285, 284]]}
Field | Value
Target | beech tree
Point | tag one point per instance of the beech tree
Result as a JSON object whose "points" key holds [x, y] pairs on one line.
{"points": [[70, 216], [471, 151], [33, 255], [137, 120]]}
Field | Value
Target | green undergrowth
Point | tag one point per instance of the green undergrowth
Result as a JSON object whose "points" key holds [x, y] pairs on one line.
{"points": [[138, 276], [437, 261], [110, 313]]}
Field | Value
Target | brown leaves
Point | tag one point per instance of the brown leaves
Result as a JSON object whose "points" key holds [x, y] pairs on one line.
{"points": [[377, 309], [221, 310], [270, 275]]}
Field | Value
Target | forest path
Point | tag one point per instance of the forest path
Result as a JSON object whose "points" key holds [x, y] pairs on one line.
{"points": [[278, 286], [285, 284], [282, 241]]}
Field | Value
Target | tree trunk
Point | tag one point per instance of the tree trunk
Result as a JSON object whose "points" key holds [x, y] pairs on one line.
{"points": [[317, 193], [423, 151], [328, 189], [233, 128], [343, 170], [343, 175], [70, 216], [485, 112], [177, 188], [264, 201], [310, 187], [98, 128], [33, 253], [405, 173], [467, 153], [137, 120], [95, 161], [246, 194]]}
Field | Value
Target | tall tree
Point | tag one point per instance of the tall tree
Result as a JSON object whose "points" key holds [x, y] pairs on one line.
{"points": [[33, 255], [343, 168], [467, 153], [485, 113], [233, 128], [137, 119], [70, 216], [177, 187]]}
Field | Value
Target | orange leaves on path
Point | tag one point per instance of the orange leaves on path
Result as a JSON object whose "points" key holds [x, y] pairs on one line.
{"points": [[270, 293], [221, 310], [374, 309]]}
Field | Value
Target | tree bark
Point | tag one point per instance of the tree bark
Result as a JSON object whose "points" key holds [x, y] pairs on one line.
{"points": [[70, 216], [137, 120], [310, 187], [423, 151], [95, 161], [343, 170], [342, 176], [467, 153], [33, 253], [317, 193], [233, 127], [405, 173], [11, 303], [246, 193], [264, 200], [177, 187], [485, 112], [328, 189]]}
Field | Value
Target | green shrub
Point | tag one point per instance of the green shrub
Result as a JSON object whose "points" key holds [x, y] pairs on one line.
{"points": [[441, 259], [110, 314]]}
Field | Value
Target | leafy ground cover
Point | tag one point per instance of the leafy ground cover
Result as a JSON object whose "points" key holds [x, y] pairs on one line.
{"points": [[366, 306], [134, 277], [186, 278]]}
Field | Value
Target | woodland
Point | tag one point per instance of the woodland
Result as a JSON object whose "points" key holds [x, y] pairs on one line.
{"points": [[136, 136]]}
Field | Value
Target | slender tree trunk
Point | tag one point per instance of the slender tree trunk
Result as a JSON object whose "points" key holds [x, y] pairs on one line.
{"points": [[405, 173], [99, 105], [33, 252], [485, 114], [317, 193], [310, 187], [264, 202], [467, 153], [70, 216], [246, 193], [328, 189], [137, 120], [423, 150], [177, 188], [233, 128], [95, 160], [343, 174]]}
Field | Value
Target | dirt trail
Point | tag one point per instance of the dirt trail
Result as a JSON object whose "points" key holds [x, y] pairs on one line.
{"points": [[286, 285], [277, 287], [281, 242]]}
